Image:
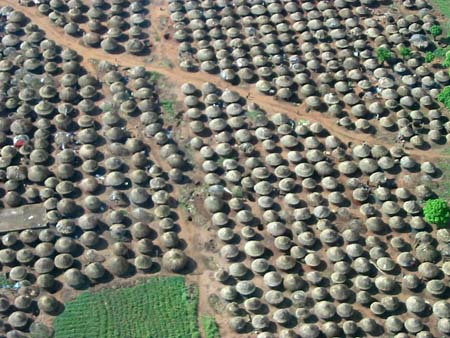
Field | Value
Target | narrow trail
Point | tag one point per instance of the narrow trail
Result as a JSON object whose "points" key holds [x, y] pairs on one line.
{"points": [[177, 76]]}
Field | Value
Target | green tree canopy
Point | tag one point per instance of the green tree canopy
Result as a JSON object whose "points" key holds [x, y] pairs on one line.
{"points": [[437, 212], [429, 57], [444, 97], [383, 54], [405, 52], [436, 30]]}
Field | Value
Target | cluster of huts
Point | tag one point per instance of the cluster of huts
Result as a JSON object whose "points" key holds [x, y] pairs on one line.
{"points": [[317, 238], [324, 55], [115, 26], [68, 143]]}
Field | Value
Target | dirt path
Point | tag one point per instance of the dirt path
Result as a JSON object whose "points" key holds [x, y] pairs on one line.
{"points": [[178, 77]]}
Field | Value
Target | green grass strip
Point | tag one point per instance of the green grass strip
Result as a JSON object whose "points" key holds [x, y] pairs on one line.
{"points": [[210, 328]]}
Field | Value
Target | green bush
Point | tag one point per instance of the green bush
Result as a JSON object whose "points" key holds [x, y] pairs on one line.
{"points": [[384, 54], [437, 212], [436, 30], [429, 57], [405, 52], [440, 52], [446, 62], [444, 97]]}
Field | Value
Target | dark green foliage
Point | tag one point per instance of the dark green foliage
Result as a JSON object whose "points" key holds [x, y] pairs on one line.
{"points": [[429, 57], [437, 212], [159, 307], [436, 30], [444, 97], [405, 52], [440, 52], [446, 62], [210, 328], [384, 54]]}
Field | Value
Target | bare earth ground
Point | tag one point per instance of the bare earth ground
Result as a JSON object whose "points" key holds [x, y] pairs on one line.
{"points": [[163, 59]]}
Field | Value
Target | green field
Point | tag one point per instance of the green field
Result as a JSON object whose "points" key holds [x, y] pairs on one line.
{"points": [[163, 307], [443, 6]]}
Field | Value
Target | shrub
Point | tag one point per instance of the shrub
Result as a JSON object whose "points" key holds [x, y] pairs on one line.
{"points": [[429, 57], [383, 54], [435, 30], [444, 97], [405, 52], [437, 212], [446, 62], [440, 52]]}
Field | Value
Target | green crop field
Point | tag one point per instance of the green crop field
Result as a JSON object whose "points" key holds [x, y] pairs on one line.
{"points": [[162, 307]]}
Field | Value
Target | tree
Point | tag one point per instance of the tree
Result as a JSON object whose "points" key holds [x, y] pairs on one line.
{"points": [[444, 97], [435, 30], [429, 57], [383, 54], [437, 212], [405, 52]]}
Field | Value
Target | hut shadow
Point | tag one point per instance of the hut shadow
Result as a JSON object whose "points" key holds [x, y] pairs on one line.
{"points": [[190, 267]]}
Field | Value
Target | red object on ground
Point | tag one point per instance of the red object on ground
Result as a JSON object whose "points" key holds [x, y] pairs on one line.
{"points": [[19, 143]]}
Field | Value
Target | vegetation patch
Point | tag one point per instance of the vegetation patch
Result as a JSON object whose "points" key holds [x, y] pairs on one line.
{"points": [[442, 187], [384, 54], [444, 97], [210, 328], [155, 76], [158, 307], [437, 212], [444, 7], [168, 106], [440, 52], [253, 115]]}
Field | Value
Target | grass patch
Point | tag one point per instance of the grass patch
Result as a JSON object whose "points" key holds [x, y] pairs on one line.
{"points": [[440, 52], [158, 307], [168, 106], [210, 328], [154, 76], [254, 114], [443, 7], [443, 190]]}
